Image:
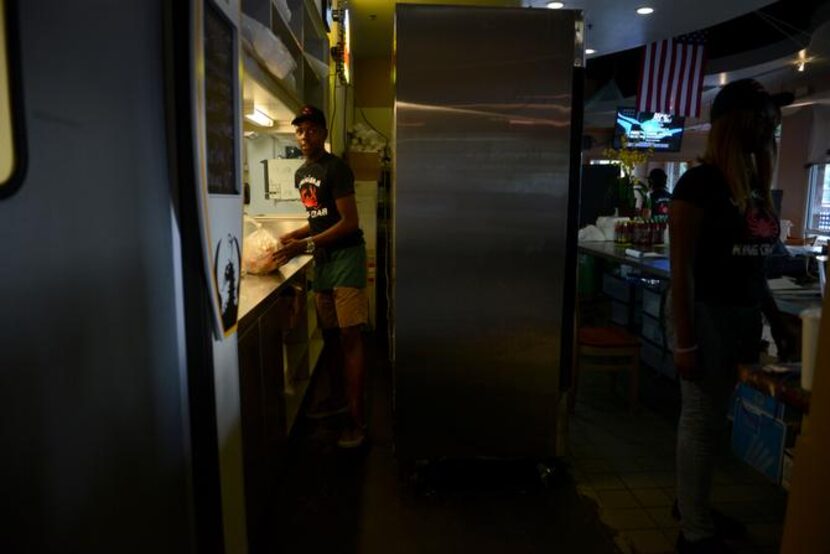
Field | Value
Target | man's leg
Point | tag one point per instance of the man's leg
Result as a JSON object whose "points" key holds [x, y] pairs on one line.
{"points": [[354, 365], [352, 314], [329, 396]]}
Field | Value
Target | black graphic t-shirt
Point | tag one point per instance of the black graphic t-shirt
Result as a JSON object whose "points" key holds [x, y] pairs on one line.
{"points": [[320, 184], [660, 202], [729, 262]]}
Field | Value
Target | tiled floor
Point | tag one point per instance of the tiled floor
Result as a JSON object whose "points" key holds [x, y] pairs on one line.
{"points": [[358, 501], [625, 464]]}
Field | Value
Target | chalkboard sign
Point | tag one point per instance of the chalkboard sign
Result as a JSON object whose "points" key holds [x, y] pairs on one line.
{"points": [[220, 120]]}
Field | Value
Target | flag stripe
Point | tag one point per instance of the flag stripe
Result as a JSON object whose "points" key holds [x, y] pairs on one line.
{"points": [[671, 76], [675, 71], [652, 94]]}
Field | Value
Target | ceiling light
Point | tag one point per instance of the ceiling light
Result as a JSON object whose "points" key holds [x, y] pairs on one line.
{"points": [[260, 118], [589, 51], [645, 10], [801, 65], [556, 5]]}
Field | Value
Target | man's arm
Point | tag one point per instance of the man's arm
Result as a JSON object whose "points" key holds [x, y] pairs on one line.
{"points": [[296, 234], [347, 207], [348, 223]]}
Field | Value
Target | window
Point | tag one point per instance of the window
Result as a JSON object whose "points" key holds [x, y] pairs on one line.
{"points": [[818, 200]]}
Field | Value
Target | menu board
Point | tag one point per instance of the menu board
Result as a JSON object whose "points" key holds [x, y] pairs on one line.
{"points": [[220, 121], [219, 195]]}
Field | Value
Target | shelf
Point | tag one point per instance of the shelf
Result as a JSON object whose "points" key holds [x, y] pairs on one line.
{"points": [[316, 18], [282, 28], [261, 74]]}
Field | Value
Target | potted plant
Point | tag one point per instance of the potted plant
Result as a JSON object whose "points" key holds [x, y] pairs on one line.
{"points": [[627, 186]]}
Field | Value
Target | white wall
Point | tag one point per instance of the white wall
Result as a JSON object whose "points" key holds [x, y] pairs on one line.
{"points": [[267, 147]]}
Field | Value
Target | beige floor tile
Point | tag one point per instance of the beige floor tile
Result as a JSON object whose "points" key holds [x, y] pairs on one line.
{"points": [[639, 480], [649, 542], [597, 465], [617, 499], [652, 498], [764, 534], [662, 516], [664, 478], [623, 519], [671, 535], [736, 493], [587, 492], [605, 481]]}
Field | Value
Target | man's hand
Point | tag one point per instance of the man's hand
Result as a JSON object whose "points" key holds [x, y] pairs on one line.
{"points": [[287, 237], [784, 336], [291, 248]]}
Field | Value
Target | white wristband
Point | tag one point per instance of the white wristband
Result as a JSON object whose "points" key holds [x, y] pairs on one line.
{"points": [[685, 350]]}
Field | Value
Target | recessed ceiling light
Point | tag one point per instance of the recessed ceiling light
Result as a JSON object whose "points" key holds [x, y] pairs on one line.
{"points": [[556, 5], [645, 10], [590, 51]]}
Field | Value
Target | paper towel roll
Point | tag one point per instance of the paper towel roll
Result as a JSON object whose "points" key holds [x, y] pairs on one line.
{"points": [[810, 319]]}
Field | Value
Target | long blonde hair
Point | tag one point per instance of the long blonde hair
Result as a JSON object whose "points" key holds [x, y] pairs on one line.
{"points": [[744, 166]]}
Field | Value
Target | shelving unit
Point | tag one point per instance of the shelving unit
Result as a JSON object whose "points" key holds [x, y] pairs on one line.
{"points": [[302, 34]]}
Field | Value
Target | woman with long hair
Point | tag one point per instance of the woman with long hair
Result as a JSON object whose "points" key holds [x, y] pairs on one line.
{"points": [[722, 226]]}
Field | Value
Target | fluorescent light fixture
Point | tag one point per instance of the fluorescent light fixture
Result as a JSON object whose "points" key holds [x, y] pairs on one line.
{"points": [[645, 10], [556, 5], [260, 118], [589, 51]]}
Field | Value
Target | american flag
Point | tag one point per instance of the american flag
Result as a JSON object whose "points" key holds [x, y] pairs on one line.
{"points": [[671, 77]]}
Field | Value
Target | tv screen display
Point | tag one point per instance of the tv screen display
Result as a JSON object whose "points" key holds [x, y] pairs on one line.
{"points": [[660, 131]]}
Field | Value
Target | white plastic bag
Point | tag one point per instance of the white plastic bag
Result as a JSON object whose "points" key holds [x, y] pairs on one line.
{"points": [[257, 252], [268, 47]]}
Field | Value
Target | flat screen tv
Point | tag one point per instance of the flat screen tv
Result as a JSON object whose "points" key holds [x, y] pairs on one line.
{"points": [[660, 131]]}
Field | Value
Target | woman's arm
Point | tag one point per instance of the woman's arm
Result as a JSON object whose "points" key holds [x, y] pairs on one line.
{"points": [[685, 220], [781, 332]]}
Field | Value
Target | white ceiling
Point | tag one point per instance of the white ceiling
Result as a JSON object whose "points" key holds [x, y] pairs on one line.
{"points": [[614, 24]]}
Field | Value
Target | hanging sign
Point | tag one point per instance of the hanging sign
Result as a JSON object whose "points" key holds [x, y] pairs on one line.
{"points": [[218, 157], [12, 151]]}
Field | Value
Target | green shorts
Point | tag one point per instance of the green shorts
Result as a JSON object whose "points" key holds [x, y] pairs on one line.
{"points": [[345, 267]]}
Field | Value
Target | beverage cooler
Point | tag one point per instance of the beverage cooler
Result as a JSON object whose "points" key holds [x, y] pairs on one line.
{"points": [[485, 207]]}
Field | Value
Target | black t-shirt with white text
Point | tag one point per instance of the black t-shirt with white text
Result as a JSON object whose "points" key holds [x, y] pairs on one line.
{"points": [[320, 184], [733, 246]]}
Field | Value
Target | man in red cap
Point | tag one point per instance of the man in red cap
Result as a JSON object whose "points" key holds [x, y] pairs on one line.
{"points": [[333, 236]]}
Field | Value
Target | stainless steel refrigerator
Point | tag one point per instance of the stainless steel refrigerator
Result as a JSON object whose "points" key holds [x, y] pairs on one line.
{"points": [[484, 214]]}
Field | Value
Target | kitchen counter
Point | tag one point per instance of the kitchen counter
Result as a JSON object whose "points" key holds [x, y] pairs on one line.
{"points": [[255, 289], [789, 297], [654, 262]]}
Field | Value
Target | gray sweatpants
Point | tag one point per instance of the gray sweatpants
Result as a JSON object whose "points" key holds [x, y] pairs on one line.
{"points": [[726, 335]]}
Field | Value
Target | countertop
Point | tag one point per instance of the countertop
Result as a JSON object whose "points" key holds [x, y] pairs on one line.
{"points": [[254, 289], [789, 297], [655, 263]]}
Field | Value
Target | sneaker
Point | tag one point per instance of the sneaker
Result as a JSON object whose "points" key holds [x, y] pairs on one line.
{"points": [[711, 545], [327, 409], [351, 438], [726, 527]]}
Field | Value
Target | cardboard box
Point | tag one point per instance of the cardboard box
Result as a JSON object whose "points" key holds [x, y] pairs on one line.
{"points": [[364, 165]]}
